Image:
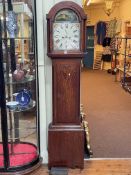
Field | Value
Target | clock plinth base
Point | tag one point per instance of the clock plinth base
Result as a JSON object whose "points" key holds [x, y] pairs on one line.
{"points": [[66, 146]]}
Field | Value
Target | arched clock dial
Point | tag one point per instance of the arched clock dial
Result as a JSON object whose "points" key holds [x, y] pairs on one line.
{"points": [[66, 36]]}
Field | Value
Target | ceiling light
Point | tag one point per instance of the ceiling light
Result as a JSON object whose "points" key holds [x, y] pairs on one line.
{"points": [[88, 2]]}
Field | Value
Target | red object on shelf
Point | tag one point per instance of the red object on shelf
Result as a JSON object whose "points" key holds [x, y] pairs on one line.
{"points": [[23, 153], [18, 75]]}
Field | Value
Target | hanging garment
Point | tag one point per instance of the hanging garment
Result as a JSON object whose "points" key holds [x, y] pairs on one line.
{"points": [[113, 45], [106, 58], [100, 32], [118, 26], [106, 55], [106, 42], [111, 28]]}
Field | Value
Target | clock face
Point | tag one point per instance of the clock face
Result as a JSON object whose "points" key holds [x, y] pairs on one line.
{"points": [[66, 36]]}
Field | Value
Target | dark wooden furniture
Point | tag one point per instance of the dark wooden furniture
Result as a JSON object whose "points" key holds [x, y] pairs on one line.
{"points": [[66, 136]]}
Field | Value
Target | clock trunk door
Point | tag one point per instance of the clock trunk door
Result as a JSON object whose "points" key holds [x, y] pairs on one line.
{"points": [[66, 92]]}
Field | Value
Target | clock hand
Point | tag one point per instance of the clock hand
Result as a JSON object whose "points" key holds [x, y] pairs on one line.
{"points": [[58, 31], [66, 34], [61, 45], [75, 31]]}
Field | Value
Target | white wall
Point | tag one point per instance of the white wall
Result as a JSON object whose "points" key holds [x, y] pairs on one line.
{"points": [[45, 73], [125, 13], [97, 13], [125, 9]]}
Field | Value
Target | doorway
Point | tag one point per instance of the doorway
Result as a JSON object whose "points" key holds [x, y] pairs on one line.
{"points": [[89, 56]]}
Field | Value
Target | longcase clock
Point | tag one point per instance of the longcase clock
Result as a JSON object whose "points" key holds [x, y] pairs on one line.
{"points": [[66, 45]]}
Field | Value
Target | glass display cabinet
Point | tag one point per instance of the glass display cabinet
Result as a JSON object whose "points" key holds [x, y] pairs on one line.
{"points": [[19, 124]]}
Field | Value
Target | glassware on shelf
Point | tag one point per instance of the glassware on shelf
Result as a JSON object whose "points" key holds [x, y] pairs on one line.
{"points": [[27, 78], [19, 149], [18, 75], [11, 23], [12, 105]]}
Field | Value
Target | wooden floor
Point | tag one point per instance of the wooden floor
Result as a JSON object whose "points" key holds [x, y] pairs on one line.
{"points": [[96, 167]]}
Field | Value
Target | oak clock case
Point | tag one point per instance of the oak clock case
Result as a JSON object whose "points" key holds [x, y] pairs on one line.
{"points": [[66, 45], [19, 141]]}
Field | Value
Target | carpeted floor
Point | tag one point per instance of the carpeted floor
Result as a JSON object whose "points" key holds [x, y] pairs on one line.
{"points": [[108, 109]]}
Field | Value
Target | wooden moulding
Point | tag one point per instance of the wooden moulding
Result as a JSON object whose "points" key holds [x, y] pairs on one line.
{"points": [[66, 146]]}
